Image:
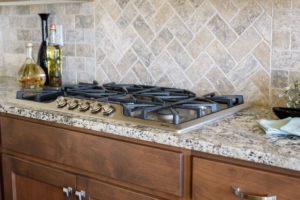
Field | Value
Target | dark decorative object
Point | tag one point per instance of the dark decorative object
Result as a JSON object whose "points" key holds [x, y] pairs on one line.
{"points": [[42, 55], [283, 112]]}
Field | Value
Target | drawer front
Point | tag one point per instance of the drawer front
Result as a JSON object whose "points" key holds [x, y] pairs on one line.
{"points": [[152, 168], [213, 180], [101, 191]]}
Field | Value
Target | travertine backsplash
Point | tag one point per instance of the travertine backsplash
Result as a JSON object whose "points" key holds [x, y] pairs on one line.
{"points": [[249, 47]]}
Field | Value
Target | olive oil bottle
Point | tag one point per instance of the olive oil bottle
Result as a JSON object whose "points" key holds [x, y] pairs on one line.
{"points": [[31, 75], [54, 60]]}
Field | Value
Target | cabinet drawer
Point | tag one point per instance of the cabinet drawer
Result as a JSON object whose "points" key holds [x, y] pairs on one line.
{"points": [[152, 168], [213, 180], [101, 191]]}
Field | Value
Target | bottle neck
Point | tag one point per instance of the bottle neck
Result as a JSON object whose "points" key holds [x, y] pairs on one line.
{"points": [[29, 53], [52, 37]]}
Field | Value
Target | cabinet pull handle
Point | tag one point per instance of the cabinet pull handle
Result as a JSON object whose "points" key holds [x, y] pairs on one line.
{"points": [[80, 195], [237, 192], [67, 191]]}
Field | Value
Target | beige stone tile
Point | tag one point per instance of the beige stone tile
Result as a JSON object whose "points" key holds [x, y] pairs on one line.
{"points": [[264, 26], [85, 77], [161, 17], [243, 71], [16, 22], [75, 63], [294, 76], [295, 4], [279, 78], [286, 60], [23, 35], [180, 31], [179, 54], [222, 31], [246, 17], [203, 87], [144, 53], [122, 3], [85, 50], [112, 8], [200, 42], [220, 82], [69, 49], [263, 55], [199, 68], [295, 43], [262, 81], [279, 4], [111, 51], [143, 29], [110, 71], [145, 8], [226, 8], [84, 21], [281, 40], [69, 77], [252, 94], [183, 8], [142, 74], [127, 16], [12, 63], [126, 62], [125, 40], [158, 3], [164, 81], [101, 77], [161, 41], [267, 6], [161, 65], [282, 20], [240, 3], [100, 55], [178, 77], [196, 3], [130, 78], [221, 57], [245, 44], [201, 16]]}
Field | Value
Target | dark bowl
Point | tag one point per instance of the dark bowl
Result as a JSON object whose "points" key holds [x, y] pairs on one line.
{"points": [[283, 112]]}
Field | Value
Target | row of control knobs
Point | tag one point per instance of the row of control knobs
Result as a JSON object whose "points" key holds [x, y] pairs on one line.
{"points": [[83, 106]]}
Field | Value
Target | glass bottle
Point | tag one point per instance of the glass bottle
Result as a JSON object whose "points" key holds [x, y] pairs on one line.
{"points": [[42, 54], [31, 75], [54, 60]]}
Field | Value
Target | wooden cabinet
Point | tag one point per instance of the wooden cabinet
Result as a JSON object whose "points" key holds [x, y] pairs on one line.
{"points": [[25, 180], [139, 167], [213, 180], [28, 181]]}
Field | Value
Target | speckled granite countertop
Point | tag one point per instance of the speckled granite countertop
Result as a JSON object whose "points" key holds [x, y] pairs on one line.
{"points": [[237, 136]]}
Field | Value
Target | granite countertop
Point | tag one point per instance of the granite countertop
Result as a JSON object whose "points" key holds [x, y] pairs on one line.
{"points": [[237, 136]]}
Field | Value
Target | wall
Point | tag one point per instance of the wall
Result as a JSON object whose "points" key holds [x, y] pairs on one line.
{"points": [[230, 46]]}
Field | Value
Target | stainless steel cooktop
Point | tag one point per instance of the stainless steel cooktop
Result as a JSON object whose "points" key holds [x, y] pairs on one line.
{"points": [[159, 107]]}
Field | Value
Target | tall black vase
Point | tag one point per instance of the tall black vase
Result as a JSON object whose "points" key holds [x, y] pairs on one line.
{"points": [[42, 55]]}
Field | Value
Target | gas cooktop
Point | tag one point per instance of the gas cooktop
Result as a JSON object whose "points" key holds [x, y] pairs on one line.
{"points": [[160, 107]]}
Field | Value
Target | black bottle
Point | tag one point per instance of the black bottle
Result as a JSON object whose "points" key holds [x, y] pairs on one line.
{"points": [[42, 55]]}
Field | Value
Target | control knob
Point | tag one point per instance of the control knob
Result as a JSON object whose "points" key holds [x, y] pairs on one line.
{"points": [[84, 106], [108, 109], [61, 102], [72, 104], [96, 107]]}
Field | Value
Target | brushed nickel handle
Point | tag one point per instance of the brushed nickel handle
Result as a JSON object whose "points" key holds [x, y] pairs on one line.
{"points": [[67, 191], [237, 192], [80, 195]]}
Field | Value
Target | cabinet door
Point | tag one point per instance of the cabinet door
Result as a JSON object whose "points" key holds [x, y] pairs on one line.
{"points": [[213, 181], [28, 181], [96, 190]]}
